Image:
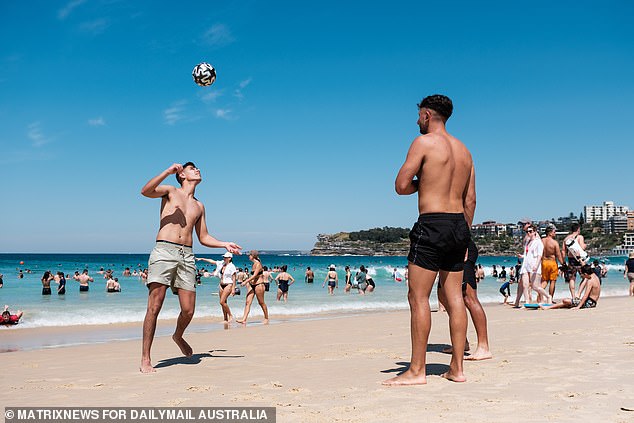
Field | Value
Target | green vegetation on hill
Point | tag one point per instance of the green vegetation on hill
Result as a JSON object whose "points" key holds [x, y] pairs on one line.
{"points": [[385, 234]]}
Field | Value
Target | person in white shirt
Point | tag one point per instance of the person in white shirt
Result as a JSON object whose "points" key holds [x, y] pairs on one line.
{"points": [[531, 270], [226, 271]]}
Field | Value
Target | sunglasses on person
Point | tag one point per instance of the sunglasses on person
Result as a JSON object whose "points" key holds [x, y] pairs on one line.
{"points": [[529, 231]]}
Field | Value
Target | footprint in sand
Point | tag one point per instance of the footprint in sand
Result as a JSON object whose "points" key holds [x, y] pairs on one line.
{"points": [[177, 401], [199, 388]]}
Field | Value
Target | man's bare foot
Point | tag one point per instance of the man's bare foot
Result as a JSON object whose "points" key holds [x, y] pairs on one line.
{"points": [[146, 367], [454, 378], [406, 379], [479, 354], [183, 345], [241, 320], [265, 321]]}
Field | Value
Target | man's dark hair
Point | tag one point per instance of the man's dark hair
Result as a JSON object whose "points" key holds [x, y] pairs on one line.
{"points": [[586, 269], [574, 227], [178, 178], [441, 104]]}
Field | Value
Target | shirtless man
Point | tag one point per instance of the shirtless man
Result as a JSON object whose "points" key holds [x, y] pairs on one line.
{"points": [[83, 280], [591, 288], [113, 285], [309, 277], [552, 255], [440, 168], [574, 264], [172, 262]]}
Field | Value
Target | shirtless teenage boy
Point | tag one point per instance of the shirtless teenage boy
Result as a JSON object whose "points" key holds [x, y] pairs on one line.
{"points": [[172, 262], [591, 288]]}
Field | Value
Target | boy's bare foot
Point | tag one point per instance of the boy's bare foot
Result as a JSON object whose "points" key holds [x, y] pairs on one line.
{"points": [[146, 367]]}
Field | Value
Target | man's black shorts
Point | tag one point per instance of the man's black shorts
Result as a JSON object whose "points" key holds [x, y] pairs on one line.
{"points": [[439, 241]]}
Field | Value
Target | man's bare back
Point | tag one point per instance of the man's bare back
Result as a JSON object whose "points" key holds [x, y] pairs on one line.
{"points": [[551, 249], [444, 170], [444, 174]]}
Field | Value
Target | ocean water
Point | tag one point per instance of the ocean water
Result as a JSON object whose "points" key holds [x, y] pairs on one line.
{"points": [[99, 307]]}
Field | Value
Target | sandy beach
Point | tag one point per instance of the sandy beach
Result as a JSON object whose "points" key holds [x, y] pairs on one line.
{"points": [[558, 365]]}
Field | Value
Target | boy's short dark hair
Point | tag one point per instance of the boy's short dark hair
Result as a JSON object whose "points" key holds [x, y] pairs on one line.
{"points": [[439, 103], [178, 178], [586, 269]]}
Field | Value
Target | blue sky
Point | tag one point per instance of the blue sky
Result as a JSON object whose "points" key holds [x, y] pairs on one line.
{"points": [[310, 118]]}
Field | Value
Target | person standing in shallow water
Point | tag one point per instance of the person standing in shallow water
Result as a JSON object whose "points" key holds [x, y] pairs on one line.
{"points": [[61, 282], [440, 169], [46, 283], [171, 262], [332, 279], [309, 277], [283, 280]]}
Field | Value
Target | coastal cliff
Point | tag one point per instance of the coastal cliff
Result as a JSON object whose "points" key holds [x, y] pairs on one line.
{"points": [[395, 242], [374, 242]]}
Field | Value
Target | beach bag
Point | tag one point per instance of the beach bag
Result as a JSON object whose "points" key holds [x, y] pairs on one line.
{"points": [[573, 246]]}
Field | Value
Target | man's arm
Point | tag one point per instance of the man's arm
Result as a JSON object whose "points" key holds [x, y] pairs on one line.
{"points": [[582, 288], [469, 199], [586, 293], [582, 242], [209, 241], [558, 254], [405, 183], [154, 189]]}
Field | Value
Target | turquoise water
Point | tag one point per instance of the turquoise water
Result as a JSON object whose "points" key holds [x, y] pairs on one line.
{"points": [[99, 307]]}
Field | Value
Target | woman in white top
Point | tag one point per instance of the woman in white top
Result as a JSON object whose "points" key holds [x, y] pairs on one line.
{"points": [[531, 270], [227, 273]]}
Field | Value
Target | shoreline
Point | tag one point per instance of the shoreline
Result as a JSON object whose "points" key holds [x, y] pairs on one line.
{"points": [[557, 365], [16, 339]]}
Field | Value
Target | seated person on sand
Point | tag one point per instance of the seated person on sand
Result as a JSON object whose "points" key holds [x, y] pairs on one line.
{"points": [[10, 319], [590, 287]]}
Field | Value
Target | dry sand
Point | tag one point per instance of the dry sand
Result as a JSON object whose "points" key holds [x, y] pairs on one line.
{"points": [[557, 365]]}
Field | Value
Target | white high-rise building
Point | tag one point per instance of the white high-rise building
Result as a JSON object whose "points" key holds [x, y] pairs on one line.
{"points": [[604, 212]]}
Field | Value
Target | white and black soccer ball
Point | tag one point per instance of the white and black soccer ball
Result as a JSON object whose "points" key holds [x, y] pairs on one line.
{"points": [[204, 74]]}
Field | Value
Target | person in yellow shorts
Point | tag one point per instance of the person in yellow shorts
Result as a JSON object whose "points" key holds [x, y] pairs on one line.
{"points": [[552, 254]]}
